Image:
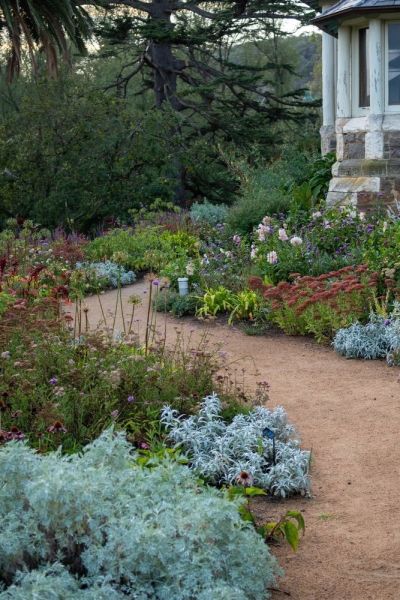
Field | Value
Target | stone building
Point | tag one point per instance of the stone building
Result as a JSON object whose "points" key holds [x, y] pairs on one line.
{"points": [[361, 100]]}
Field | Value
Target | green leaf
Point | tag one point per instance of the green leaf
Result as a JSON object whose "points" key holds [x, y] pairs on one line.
{"points": [[254, 491], [245, 513], [296, 514], [291, 534]]}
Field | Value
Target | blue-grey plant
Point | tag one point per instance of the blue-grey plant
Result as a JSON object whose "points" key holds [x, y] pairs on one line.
{"points": [[379, 338], [100, 525], [213, 214], [108, 272], [221, 451]]}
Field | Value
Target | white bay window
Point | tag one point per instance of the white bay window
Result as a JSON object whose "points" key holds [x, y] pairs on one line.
{"points": [[393, 66]]}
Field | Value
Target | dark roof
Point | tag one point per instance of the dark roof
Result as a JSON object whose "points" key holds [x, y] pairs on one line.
{"points": [[330, 19]]}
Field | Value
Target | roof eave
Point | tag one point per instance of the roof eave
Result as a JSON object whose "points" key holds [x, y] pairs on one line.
{"points": [[330, 23]]}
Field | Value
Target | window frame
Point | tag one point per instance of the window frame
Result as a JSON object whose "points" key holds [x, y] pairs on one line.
{"points": [[357, 110], [389, 108]]}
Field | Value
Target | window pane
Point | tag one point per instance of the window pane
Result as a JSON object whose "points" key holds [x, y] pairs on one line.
{"points": [[394, 63], [363, 35]]}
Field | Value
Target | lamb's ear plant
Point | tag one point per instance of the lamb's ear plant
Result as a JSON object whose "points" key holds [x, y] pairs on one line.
{"points": [[238, 452], [379, 338]]}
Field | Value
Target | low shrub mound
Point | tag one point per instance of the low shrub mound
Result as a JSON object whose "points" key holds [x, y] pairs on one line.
{"points": [[379, 338], [243, 449], [103, 275], [142, 249], [97, 525], [213, 214]]}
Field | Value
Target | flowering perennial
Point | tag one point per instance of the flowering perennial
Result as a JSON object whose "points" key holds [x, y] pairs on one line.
{"points": [[319, 305]]}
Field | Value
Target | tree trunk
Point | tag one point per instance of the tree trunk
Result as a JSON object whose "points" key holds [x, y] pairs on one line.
{"points": [[165, 65]]}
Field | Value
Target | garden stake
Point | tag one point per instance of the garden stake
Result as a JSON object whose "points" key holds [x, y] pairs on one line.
{"points": [[115, 314], [102, 310], [120, 303], [146, 343], [266, 432], [131, 321]]}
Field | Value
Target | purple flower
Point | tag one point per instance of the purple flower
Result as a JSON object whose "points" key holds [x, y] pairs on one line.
{"points": [[156, 282], [387, 322], [15, 434], [144, 446], [53, 381], [131, 399], [115, 414]]}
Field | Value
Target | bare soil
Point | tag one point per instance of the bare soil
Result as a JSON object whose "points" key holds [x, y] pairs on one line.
{"points": [[348, 412]]}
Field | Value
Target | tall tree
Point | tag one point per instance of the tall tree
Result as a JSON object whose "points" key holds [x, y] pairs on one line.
{"points": [[178, 49]]}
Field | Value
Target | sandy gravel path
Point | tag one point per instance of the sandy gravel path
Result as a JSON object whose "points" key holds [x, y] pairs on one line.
{"points": [[348, 412]]}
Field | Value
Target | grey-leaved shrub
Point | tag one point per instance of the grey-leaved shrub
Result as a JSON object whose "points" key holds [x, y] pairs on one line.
{"points": [[112, 274], [220, 451], [98, 525], [213, 214], [379, 338]]}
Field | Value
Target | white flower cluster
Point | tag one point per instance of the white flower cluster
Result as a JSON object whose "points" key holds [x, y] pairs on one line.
{"points": [[265, 228], [220, 452]]}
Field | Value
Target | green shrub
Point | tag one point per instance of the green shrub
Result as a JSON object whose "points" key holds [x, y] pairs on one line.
{"points": [[294, 184], [262, 194], [381, 250], [180, 306], [79, 156], [243, 305], [150, 248], [96, 525]]}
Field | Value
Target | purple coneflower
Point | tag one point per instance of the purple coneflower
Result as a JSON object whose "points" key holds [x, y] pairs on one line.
{"points": [[245, 478], [57, 427]]}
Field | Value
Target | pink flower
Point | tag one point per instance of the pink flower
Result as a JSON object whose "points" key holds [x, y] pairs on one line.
{"points": [[282, 235], [272, 257], [237, 239]]}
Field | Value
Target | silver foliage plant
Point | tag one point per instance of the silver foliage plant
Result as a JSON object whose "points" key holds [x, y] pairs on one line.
{"points": [[219, 451], [99, 526], [112, 273], [379, 338]]}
